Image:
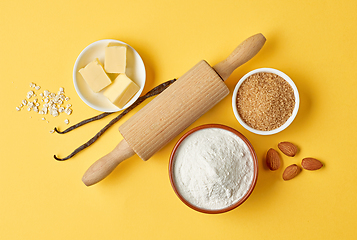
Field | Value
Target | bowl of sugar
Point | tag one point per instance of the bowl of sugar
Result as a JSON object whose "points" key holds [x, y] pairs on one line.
{"points": [[213, 168], [265, 101]]}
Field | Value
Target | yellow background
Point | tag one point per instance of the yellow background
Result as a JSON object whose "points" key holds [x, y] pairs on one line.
{"points": [[314, 42]]}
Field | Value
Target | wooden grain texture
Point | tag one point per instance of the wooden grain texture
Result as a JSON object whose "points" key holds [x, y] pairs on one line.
{"points": [[240, 55], [160, 121], [174, 110], [105, 165]]}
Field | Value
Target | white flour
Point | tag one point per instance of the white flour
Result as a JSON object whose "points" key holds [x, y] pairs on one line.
{"points": [[213, 168]]}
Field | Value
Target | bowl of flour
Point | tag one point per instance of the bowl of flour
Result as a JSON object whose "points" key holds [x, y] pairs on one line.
{"points": [[213, 168]]}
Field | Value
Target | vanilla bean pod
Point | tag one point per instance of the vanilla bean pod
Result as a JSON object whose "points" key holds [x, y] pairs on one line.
{"points": [[155, 91], [100, 116]]}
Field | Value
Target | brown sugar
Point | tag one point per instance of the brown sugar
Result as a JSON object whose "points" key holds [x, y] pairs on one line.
{"points": [[265, 101]]}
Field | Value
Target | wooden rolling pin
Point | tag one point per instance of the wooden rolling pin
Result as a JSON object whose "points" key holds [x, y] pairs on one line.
{"points": [[174, 110]]}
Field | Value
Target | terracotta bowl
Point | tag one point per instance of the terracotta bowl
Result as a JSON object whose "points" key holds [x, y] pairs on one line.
{"points": [[234, 205]]}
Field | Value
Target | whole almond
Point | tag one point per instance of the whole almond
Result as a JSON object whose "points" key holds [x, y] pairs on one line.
{"points": [[291, 171], [311, 164], [288, 148], [273, 160]]}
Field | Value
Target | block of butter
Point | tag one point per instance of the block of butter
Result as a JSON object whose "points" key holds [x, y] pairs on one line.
{"points": [[95, 76], [115, 58], [121, 90]]}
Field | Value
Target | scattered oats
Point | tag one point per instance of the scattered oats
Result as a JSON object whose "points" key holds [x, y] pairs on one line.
{"points": [[29, 95], [51, 103], [68, 111], [54, 112], [66, 121], [52, 131], [44, 109]]}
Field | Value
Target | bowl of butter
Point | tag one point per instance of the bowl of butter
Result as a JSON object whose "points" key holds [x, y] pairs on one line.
{"points": [[109, 75]]}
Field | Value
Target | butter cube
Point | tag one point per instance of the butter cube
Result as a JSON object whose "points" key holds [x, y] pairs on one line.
{"points": [[115, 58], [95, 76], [121, 91]]}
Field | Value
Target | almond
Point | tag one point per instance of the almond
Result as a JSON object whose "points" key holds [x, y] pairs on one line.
{"points": [[288, 148], [273, 159], [291, 171], [311, 164]]}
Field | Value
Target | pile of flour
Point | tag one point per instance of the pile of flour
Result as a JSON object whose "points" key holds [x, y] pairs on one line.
{"points": [[213, 168]]}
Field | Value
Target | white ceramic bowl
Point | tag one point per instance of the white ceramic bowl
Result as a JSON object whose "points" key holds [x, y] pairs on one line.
{"points": [[135, 70], [288, 122]]}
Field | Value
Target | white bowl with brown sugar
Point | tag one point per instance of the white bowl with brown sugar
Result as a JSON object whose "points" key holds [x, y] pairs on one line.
{"points": [[265, 101]]}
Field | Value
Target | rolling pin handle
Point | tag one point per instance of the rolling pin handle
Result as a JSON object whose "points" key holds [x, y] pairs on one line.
{"points": [[243, 53], [105, 165]]}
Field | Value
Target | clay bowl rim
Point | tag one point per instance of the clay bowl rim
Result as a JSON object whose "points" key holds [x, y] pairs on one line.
{"points": [[236, 204]]}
